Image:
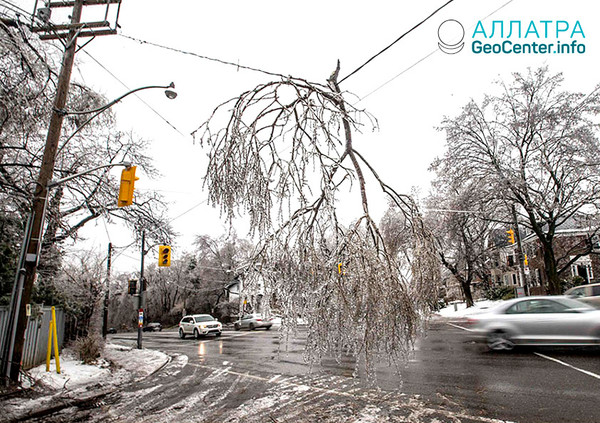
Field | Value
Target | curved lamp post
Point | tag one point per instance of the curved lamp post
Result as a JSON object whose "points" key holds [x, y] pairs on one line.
{"points": [[30, 250]]}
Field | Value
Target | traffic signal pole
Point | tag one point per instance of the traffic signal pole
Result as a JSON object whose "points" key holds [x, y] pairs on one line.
{"points": [[141, 294], [521, 257]]}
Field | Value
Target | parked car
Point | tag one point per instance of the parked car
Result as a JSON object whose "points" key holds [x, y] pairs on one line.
{"points": [[152, 327], [199, 325], [252, 321], [541, 321], [111, 330], [587, 293]]}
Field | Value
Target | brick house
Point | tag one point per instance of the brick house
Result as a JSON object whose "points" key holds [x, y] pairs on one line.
{"points": [[568, 243]]}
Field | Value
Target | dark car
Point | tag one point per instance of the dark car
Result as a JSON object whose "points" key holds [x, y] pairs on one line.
{"points": [[111, 330], [152, 327]]}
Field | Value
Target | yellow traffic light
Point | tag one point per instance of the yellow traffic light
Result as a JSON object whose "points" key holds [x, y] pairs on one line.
{"points": [[164, 256], [340, 268], [126, 189], [511, 236], [525, 261]]}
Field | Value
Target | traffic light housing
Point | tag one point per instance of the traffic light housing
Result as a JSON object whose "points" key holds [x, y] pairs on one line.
{"points": [[132, 287], [164, 256], [511, 236], [128, 179]]}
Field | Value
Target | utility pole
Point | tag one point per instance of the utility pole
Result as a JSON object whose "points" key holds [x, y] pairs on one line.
{"points": [[27, 271], [141, 294], [41, 191], [521, 256], [107, 292]]}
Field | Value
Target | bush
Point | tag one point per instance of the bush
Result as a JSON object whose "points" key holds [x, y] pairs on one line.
{"points": [[88, 349], [501, 292]]}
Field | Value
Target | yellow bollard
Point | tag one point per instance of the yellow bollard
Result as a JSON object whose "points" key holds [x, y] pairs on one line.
{"points": [[52, 334], [56, 354], [49, 349]]}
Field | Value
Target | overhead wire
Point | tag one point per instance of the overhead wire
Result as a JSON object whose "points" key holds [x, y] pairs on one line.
{"points": [[128, 88], [161, 226], [423, 58], [224, 62], [395, 41]]}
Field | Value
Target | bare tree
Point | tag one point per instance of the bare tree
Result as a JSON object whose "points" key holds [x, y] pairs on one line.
{"points": [[283, 154], [462, 214], [27, 85], [538, 147]]}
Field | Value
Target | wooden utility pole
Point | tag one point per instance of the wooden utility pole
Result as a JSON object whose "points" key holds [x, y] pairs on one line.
{"points": [[107, 292], [41, 191], [33, 238]]}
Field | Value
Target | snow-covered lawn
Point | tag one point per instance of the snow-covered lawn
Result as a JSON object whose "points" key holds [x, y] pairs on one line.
{"points": [[459, 310], [116, 365], [77, 381]]}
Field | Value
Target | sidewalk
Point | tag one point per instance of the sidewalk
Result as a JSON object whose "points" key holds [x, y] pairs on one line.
{"points": [[78, 383]]}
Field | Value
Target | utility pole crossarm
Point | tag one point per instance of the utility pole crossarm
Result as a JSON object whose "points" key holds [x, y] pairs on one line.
{"points": [[53, 184]]}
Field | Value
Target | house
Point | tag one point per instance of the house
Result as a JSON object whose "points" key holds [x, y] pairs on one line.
{"points": [[569, 242]]}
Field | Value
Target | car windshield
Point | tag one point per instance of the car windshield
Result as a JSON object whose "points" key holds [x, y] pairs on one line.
{"points": [[204, 318]]}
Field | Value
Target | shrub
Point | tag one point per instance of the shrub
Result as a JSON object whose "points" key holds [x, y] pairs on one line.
{"points": [[88, 349], [501, 292]]}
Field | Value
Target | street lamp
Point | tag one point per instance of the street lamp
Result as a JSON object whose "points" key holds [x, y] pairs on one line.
{"points": [[12, 352]]}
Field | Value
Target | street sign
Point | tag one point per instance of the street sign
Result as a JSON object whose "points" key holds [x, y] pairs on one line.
{"points": [[141, 318]]}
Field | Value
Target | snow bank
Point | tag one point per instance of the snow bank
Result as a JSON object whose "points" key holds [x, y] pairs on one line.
{"points": [[459, 310]]}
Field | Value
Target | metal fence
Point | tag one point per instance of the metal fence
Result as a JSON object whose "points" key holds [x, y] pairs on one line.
{"points": [[36, 335]]}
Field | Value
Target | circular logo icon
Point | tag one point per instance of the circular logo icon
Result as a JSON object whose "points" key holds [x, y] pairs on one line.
{"points": [[451, 35]]}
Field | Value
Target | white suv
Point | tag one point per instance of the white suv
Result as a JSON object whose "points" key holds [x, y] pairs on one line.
{"points": [[199, 325]]}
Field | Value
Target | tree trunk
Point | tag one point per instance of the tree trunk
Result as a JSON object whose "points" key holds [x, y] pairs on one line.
{"points": [[553, 287]]}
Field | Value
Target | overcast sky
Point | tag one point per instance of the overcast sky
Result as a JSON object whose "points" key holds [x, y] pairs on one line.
{"points": [[408, 88]]}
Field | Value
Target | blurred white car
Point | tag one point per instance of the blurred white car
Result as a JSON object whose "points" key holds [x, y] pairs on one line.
{"points": [[253, 321], [541, 321], [587, 293], [199, 325]]}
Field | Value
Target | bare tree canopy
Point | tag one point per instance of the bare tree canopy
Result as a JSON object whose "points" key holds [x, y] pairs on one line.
{"points": [[283, 153], [27, 86], [537, 147]]}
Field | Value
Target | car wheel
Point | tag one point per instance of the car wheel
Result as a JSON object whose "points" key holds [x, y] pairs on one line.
{"points": [[181, 333], [218, 334], [268, 327], [196, 334], [251, 326], [499, 341], [236, 326]]}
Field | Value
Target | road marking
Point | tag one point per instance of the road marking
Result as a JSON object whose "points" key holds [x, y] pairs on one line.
{"points": [[459, 327], [568, 365]]}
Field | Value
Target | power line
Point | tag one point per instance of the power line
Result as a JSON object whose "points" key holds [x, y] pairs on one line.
{"points": [[224, 62], [162, 226], [128, 88], [423, 58], [397, 39]]}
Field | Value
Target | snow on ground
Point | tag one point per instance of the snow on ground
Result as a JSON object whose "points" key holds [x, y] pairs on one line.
{"points": [[117, 362], [459, 309], [76, 380]]}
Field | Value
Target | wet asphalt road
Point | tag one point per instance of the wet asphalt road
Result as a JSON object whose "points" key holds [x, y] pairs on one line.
{"points": [[244, 377]]}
